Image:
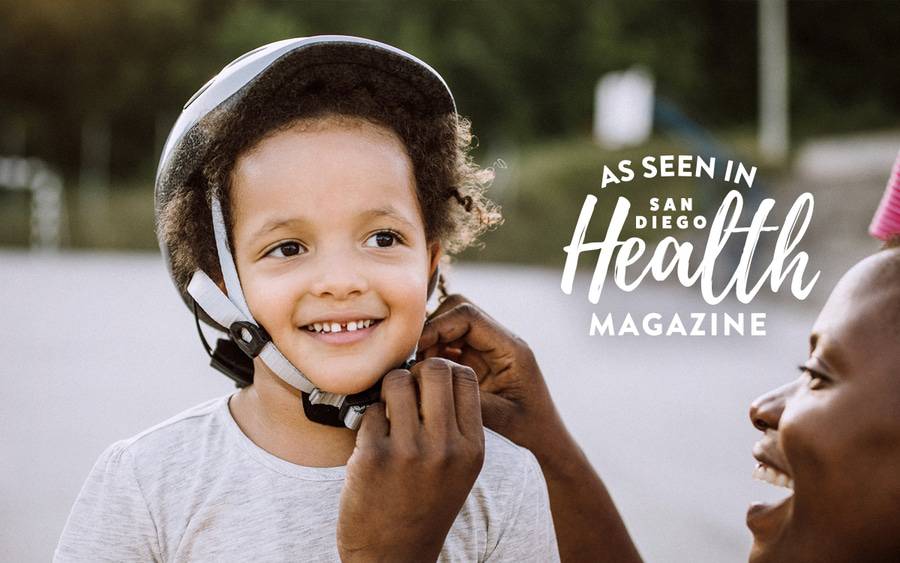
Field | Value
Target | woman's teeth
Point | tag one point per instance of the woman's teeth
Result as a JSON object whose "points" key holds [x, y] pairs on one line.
{"points": [[339, 327], [772, 476]]}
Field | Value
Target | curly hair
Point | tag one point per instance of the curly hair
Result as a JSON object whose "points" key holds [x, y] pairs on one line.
{"points": [[450, 186]]}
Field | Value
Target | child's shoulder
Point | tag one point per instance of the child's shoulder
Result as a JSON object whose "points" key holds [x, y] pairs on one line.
{"points": [[506, 464], [509, 501], [498, 448], [182, 432]]}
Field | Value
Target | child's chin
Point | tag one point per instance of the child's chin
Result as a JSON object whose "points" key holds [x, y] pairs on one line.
{"points": [[345, 383]]}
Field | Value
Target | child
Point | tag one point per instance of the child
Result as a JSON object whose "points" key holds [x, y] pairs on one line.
{"points": [[304, 199]]}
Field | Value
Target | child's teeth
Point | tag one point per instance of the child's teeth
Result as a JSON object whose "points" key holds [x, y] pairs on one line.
{"points": [[350, 326]]}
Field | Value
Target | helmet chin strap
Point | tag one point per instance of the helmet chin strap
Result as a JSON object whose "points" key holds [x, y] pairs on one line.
{"points": [[231, 311]]}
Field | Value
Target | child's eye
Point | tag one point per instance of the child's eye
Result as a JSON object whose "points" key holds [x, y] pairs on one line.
{"points": [[286, 250], [383, 239]]}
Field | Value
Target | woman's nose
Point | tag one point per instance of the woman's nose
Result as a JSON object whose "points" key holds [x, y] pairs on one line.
{"points": [[339, 278], [765, 411]]}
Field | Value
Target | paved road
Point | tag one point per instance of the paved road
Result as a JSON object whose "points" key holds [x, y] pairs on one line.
{"points": [[97, 347]]}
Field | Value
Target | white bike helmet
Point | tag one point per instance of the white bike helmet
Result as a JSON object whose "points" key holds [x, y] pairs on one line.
{"points": [[187, 150]]}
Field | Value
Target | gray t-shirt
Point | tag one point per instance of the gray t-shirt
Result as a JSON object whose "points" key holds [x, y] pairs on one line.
{"points": [[196, 488]]}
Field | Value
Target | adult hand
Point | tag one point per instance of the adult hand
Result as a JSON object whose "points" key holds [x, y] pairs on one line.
{"points": [[413, 466], [516, 403], [514, 397]]}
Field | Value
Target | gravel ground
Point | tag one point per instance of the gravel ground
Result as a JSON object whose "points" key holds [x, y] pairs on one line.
{"points": [[102, 348]]}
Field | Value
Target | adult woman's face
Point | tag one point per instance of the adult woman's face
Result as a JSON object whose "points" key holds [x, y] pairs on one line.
{"points": [[834, 433]]}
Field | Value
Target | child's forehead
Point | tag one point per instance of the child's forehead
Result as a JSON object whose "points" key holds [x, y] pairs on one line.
{"points": [[337, 136], [337, 172]]}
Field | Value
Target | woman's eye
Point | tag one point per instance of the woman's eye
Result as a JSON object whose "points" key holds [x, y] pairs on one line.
{"points": [[286, 250], [383, 239], [814, 379]]}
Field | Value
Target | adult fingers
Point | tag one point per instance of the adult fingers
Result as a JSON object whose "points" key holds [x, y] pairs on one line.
{"points": [[435, 378], [374, 425], [475, 360], [464, 322], [467, 401], [448, 303], [452, 301], [398, 391], [461, 354]]}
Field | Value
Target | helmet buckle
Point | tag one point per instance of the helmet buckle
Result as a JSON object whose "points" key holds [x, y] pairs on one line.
{"points": [[250, 338]]}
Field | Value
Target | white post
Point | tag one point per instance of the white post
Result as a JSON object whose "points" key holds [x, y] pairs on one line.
{"points": [[773, 80], [46, 210], [46, 190], [623, 108]]}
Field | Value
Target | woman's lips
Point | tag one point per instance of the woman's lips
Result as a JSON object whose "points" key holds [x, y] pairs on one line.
{"points": [[769, 456], [767, 519], [344, 336]]}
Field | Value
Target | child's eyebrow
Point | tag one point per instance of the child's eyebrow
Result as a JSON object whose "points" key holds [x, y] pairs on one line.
{"points": [[390, 212], [294, 222], [275, 224]]}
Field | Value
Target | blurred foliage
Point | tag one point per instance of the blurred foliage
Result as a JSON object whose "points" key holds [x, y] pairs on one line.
{"points": [[543, 188], [123, 220], [524, 71]]}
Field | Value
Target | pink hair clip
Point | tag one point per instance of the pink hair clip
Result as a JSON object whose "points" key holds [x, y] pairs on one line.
{"points": [[886, 222]]}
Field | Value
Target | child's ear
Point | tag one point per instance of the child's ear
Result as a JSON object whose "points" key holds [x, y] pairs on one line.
{"points": [[435, 251]]}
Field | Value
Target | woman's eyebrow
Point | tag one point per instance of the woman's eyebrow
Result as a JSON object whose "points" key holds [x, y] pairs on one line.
{"points": [[830, 350]]}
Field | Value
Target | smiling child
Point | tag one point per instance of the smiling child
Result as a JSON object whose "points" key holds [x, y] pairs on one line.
{"points": [[305, 198]]}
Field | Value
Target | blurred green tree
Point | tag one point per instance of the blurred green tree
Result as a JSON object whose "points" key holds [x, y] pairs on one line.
{"points": [[524, 71]]}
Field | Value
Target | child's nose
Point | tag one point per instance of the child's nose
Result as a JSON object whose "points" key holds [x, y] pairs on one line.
{"points": [[339, 278]]}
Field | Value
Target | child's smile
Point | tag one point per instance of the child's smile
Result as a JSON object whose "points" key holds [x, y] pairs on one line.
{"points": [[329, 330], [331, 250], [342, 332]]}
